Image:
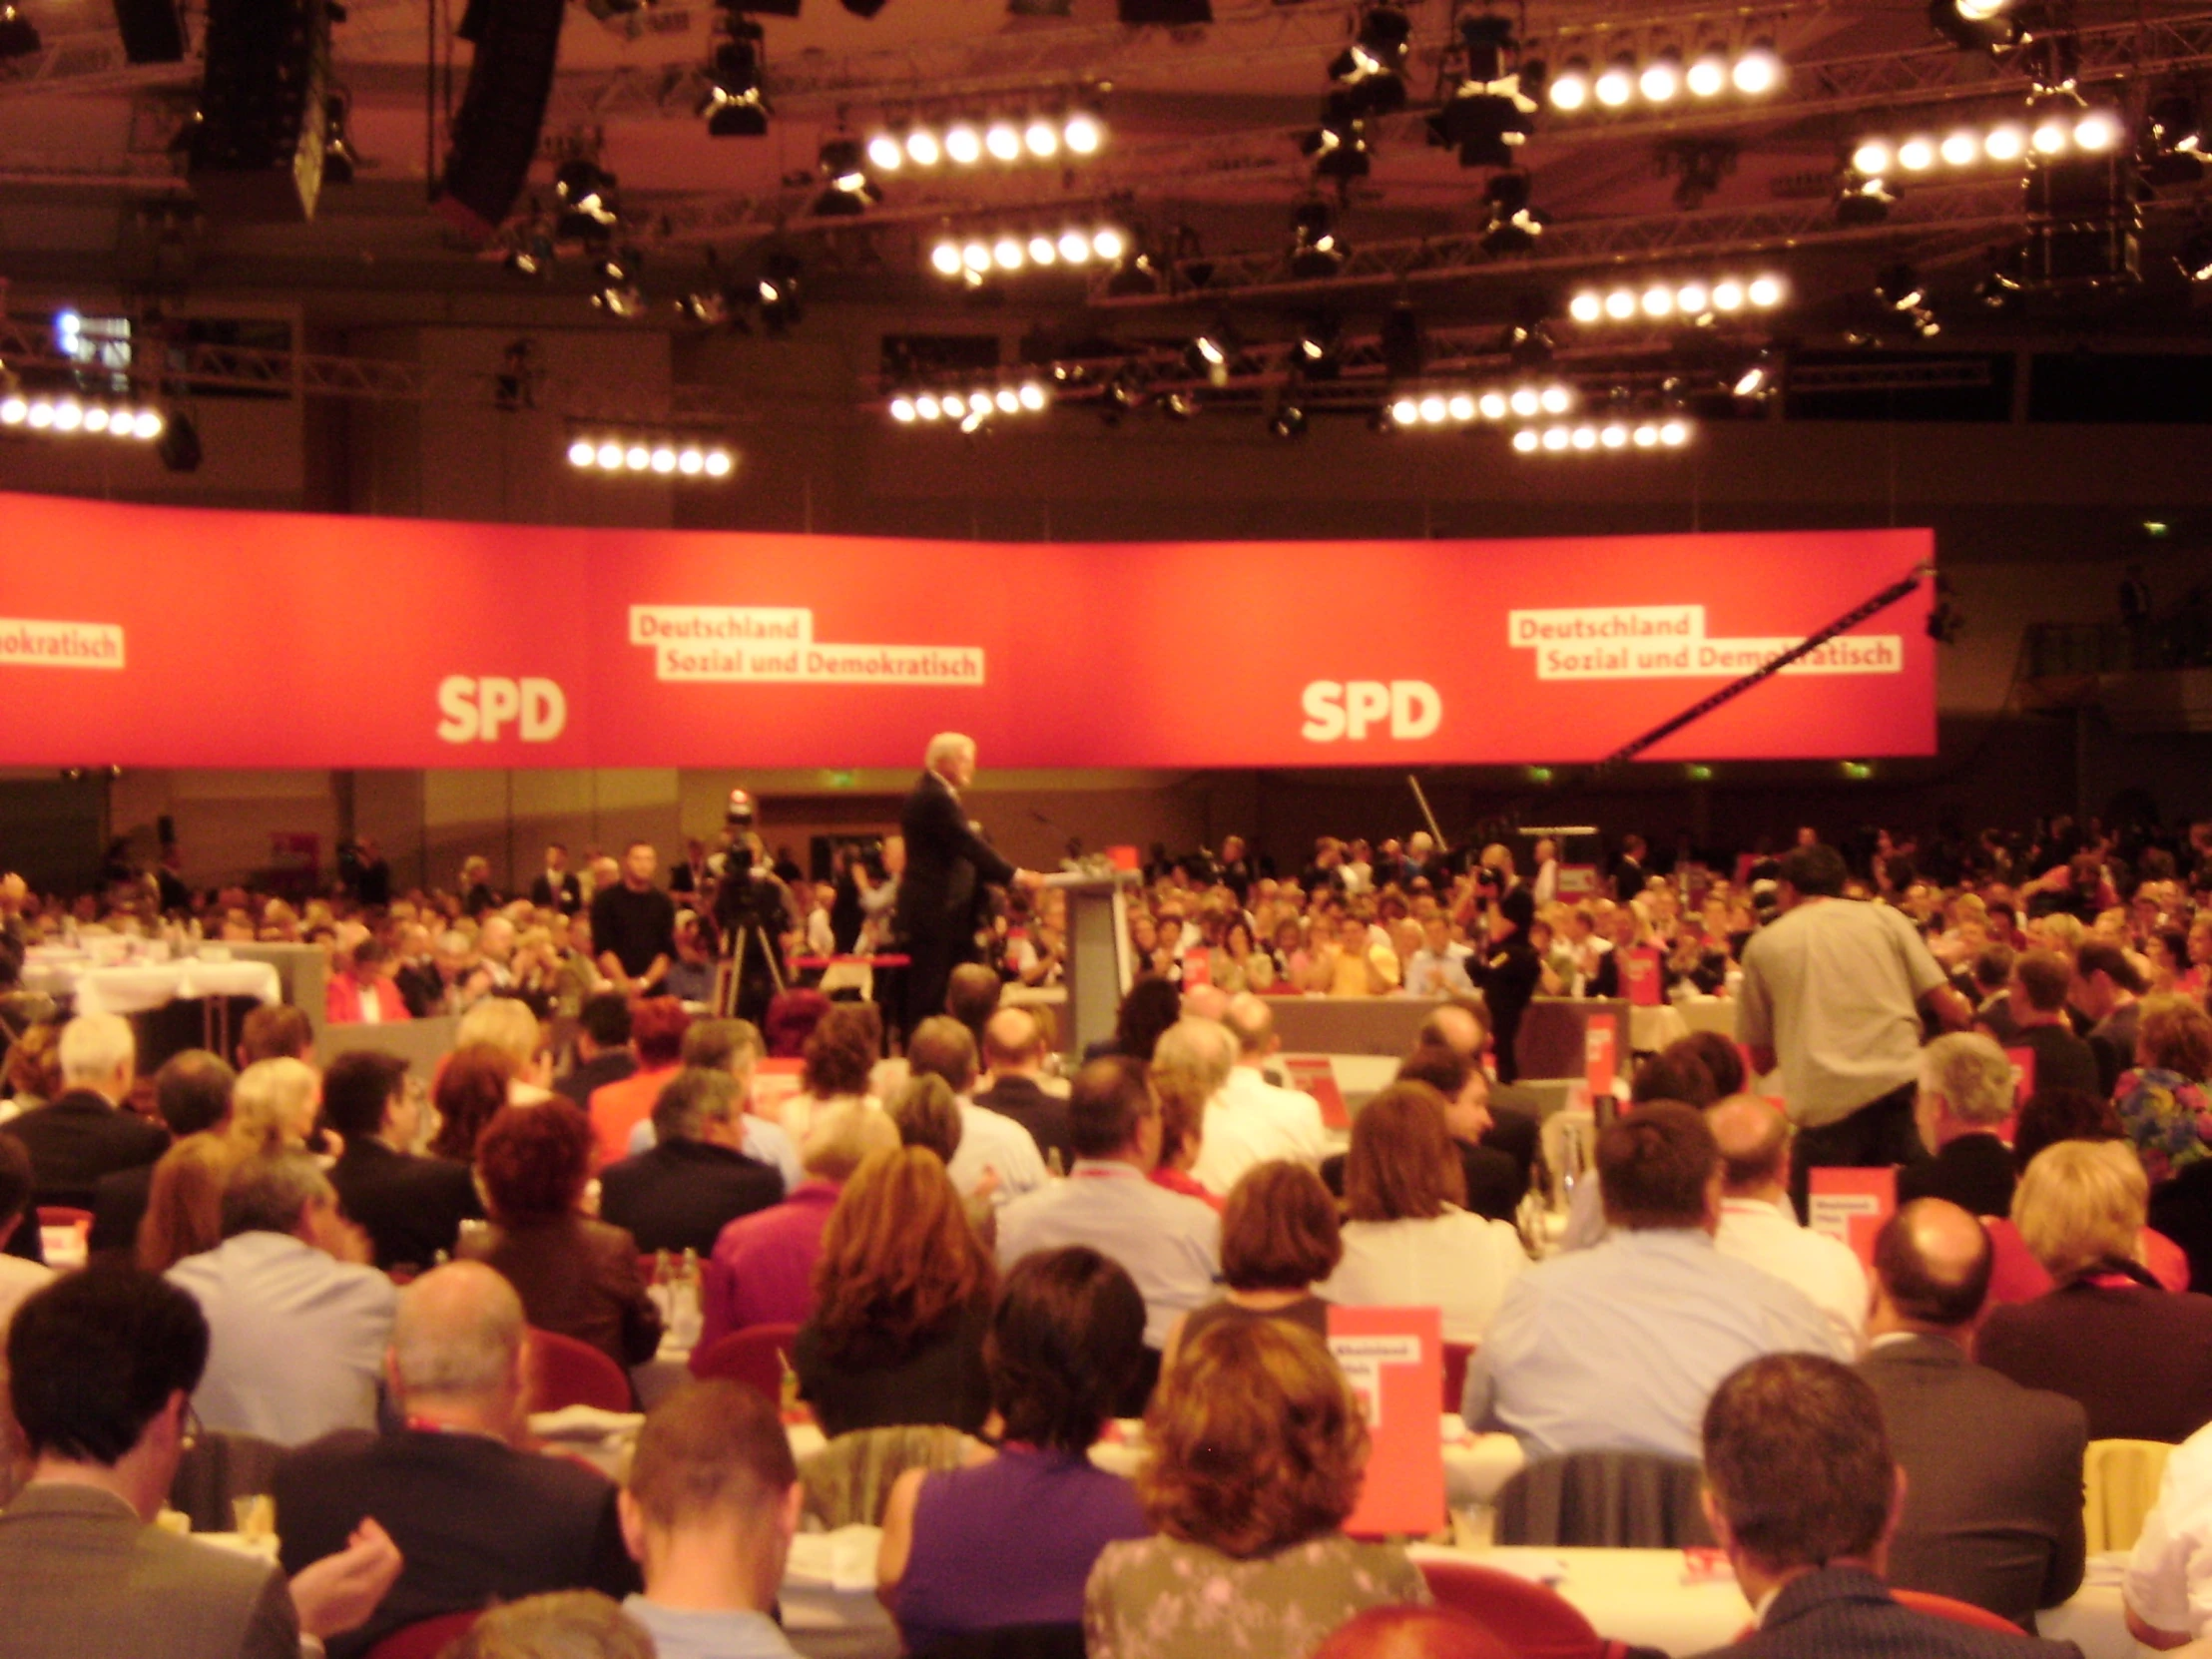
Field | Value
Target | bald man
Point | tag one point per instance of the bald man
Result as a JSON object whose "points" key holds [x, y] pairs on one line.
{"points": [[477, 1518], [1759, 1226], [1015, 1051], [1992, 1471]]}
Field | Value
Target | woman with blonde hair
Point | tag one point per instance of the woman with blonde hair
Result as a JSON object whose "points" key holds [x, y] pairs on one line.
{"points": [[2137, 1356], [184, 1206], [903, 1299], [273, 1105], [1409, 1239], [1256, 1452]]}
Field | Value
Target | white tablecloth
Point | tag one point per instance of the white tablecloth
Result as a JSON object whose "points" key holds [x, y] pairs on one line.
{"points": [[1709, 1013], [133, 989]]}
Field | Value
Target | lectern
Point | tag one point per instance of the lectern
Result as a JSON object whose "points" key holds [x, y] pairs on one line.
{"points": [[1099, 967]]}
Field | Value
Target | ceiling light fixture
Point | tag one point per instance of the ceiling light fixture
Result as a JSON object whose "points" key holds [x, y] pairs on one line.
{"points": [[670, 457]]}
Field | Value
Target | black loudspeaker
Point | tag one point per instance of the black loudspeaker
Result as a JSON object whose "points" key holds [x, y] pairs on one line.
{"points": [[256, 154], [495, 131], [152, 30]]}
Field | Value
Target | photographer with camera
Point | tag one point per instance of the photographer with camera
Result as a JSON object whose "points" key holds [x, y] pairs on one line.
{"points": [[754, 911]]}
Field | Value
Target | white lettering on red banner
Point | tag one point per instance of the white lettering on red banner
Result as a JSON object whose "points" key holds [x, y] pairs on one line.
{"points": [[778, 645], [1340, 709], [27, 643], [1667, 642], [476, 710]]}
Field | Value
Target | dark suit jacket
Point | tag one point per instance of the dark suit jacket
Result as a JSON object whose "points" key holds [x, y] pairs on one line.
{"points": [[681, 1195], [578, 1278], [2062, 1060], [85, 1579], [2113, 1044], [1044, 1115], [569, 899], [1992, 1472], [420, 988], [2138, 1359], [77, 1139], [944, 862], [610, 1067], [1974, 1171], [412, 1208], [118, 1206], [477, 1521], [1846, 1613]]}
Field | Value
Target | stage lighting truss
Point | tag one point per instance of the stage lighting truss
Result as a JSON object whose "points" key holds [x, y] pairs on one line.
{"points": [[62, 415], [1005, 140], [1662, 76], [1647, 435], [973, 258], [1443, 408], [970, 409], [673, 456], [1700, 301], [2057, 131]]}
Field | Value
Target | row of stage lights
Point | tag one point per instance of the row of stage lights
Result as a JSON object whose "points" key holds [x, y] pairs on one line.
{"points": [[967, 144], [2091, 132], [1463, 409], [1664, 77], [1613, 436], [1697, 302], [68, 416], [657, 457], [969, 410], [973, 257]]}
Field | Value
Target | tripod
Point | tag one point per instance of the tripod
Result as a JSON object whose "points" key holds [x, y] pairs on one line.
{"points": [[742, 941]]}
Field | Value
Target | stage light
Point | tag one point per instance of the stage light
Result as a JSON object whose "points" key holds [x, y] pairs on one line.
{"points": [[18, 38], [945, 259], [1693, 299], [2096, 132], [1007, 253], [1337, 147], [902, 410], [2048, 138], [963, 146], [1570, 87], [2005, 144], [922, 148], [615, 287], [1758, 71], [1620, 304], [68, 416], [850, 191], [1708, 74], [1872, 158], [1755, 378], [1525, 440], [2195, 257], [1288, 421], [928, 406], [1514, 223], [1464, 407], [1957, 150], [1179, 406], [1974, 25], [589, 207], [1011, 251], [1108, 242], [1728, 295], [1661, 79], [1900, 289], [779, 290], [735, 103], [1617, 82], [1526, 401], [1083, 134], [884, 154]]}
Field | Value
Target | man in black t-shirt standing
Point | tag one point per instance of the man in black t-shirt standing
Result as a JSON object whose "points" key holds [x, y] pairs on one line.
{"points": [[633, 924]]}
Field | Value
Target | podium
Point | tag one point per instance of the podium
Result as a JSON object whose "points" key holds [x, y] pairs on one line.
{"points": [[1099, 967]]}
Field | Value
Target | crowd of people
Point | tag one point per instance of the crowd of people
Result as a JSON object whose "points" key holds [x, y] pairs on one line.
{"points": [[992, 1257]]}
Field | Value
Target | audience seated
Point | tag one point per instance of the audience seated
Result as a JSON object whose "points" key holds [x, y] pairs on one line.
{"points": [[602, 1050], [1150, 1006], [993, 1148], [1256, 1450], [2049, 1116], [903, 1296], [1012, 1540], [1619, 1347], [1251, 1120], [1182, 1084], [656, 1027], [470, 1090], [735, 1046], [1804, 1497], [274, 1107], [1278, 1239], [297, 1319], [477, 1513], [1496, 1182], [840, 1055], [363, 987], [1966, 1094], [763, 1268], [84, 1133], [577, 1275], [1759, 1227], [192, 1092], [101, 1366], [1992, 1471], [1015, 1051], [18, 1277], [1458, 1027], [2137, 1356], [2165, 1103], [1169, 1243], [2109, 989], [505, 1022], [2042, 981], [1408, 1239], [708, 1510], [411, 1208], [184, 1204], [696, 1178], [566, 1624]]}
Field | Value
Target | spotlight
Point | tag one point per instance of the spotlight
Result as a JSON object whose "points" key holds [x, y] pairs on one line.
{"points": [[1864, 202], [1288, 421], [1083, 134], [18, 39], [1960, 148], [1617, 82], [2195, 257], [1514, 224], [963, 145], [1756, 378], [1974, 25], [1915, 155], [778, 291], [1661, 79], [1900, 289], [885, 154], [1179, 406], [1708, 74], [735, 105], [1570, 87], [340, 162], [1694, 300], [850, 191], [588, 205], [922, 148], [1316, 251], [1380, 46], [2005, 143], [1136, 274], [615, 287], [1338, 147], [1758, 69]]}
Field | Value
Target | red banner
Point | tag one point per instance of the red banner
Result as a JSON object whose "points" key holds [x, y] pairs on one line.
{"points": [[160, 636]]}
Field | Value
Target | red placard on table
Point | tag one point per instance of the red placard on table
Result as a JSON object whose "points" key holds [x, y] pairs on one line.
{"points": [[1198, 968], [1639, 971], [1852, 1205], [1394, 1359], [1600, 1053], [1313, 1074]]}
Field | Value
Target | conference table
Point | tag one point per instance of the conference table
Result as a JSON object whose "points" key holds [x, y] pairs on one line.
{"points": [[97, 986]]}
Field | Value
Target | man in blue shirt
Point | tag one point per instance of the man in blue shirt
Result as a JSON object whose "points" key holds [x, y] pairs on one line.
{"points": [[1619, 1347]]}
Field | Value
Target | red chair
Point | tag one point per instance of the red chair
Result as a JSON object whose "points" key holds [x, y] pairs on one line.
{"points": [[1532, 1620], [565, 1372], [427, 1638], [62, 1214], [754, 1357], [1958, 1612], [1456, 1355]]}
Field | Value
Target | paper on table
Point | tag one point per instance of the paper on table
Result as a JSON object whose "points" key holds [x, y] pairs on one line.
{"points": [[584, 1422], [842, 1560]]}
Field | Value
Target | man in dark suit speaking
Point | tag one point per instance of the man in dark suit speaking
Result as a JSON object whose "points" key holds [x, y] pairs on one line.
{"points": [[946, 860]]}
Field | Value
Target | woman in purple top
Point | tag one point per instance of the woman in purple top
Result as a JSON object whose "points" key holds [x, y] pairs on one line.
{"points": [[1011, 1538]]}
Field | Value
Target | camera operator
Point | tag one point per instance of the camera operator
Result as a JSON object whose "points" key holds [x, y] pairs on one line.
{"points": [[754, 911]]}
